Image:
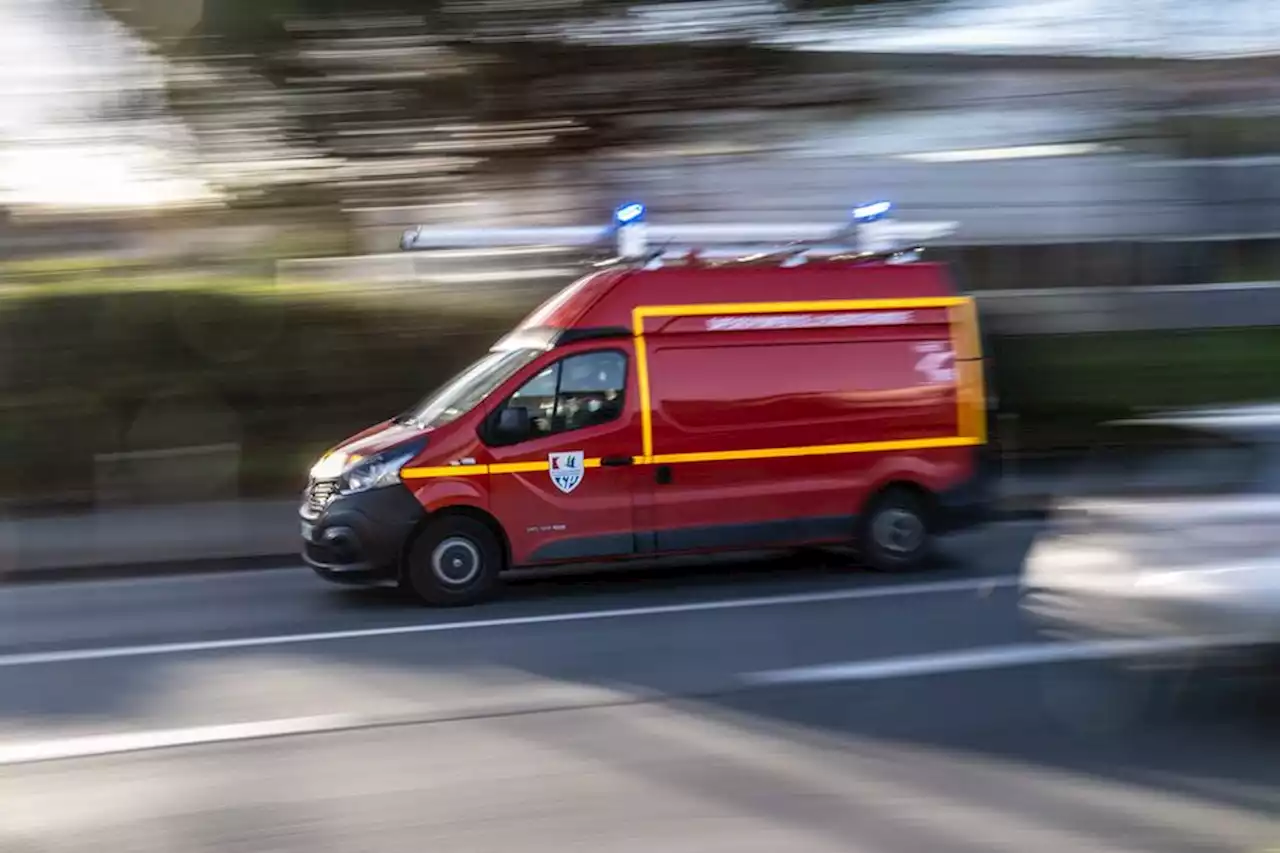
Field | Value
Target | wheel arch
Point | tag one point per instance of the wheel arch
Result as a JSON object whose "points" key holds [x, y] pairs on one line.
{"points": [[456, 511], [927, 495]]}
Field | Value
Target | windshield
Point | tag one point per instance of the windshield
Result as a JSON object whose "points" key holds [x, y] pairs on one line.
{"points": [[466, 390]]}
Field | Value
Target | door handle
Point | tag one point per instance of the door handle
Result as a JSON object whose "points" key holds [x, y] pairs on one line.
{"points": [[617, 461], [663, 475]]}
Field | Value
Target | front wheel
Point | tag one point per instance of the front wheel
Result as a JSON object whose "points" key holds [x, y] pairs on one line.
{"points": [[895, 534], [454, 562]]}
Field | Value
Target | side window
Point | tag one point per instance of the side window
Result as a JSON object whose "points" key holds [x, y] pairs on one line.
{"points": [[591, 387], [538, 395], [576, 392]]}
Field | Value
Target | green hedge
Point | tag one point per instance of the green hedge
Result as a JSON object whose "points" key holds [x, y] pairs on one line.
{"points": [[283, 375], [1062, 386], [286, 373]]}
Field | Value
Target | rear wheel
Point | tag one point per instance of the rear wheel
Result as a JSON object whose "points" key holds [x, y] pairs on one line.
{"points": [[895, 533], [454, 562]]}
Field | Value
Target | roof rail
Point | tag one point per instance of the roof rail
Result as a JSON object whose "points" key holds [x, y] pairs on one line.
{"points": [[869, 232]]}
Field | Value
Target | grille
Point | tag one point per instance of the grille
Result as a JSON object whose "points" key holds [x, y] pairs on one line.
{"points": [[319, 493]]}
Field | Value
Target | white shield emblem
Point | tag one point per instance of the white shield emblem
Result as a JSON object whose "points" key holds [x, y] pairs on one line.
{"points": [[566, 470]]}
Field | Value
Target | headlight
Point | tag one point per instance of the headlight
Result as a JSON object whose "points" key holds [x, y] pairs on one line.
{"points": [[356, 473], [331, 465], [378, 471]]}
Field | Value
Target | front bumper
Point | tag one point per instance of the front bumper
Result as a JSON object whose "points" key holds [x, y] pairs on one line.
{"points": [[360, 539]]}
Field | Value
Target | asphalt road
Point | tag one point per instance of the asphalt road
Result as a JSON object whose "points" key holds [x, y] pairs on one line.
{"points": [[654, 709]]}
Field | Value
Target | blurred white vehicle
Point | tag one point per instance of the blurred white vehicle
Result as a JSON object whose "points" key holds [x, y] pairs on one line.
{"points": [[1170, 532]]}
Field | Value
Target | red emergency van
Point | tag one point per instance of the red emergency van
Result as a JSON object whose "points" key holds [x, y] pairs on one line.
{"points": [[654, 409]]}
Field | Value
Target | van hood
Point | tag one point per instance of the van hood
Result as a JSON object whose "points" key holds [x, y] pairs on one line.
{"points": [[363, 444]]}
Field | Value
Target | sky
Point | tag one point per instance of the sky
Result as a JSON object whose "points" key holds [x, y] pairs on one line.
{"points": [[1182, 28], [60, 63], [1188, 28], [59, 60]]}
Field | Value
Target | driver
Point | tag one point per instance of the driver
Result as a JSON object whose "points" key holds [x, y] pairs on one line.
{"points": [[591, 392]]}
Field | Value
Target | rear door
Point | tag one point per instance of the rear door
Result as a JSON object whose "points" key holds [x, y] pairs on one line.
{"points": [[566, 492]]}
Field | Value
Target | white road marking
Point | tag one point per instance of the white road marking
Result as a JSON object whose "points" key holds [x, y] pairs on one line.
{"points": [[114, 744], [1234, 162], [993, 657], [997, 657], [40, 585], [1015, 152], [867, 592]]}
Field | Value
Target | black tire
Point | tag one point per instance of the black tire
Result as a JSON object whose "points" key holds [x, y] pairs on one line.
{"points": [[455, 561], [895, 534]]}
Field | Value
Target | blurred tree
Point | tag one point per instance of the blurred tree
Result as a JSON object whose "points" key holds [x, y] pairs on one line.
{"points": [[363, 108], [253, 23]]}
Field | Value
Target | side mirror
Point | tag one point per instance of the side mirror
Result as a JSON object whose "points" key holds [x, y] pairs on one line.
{"points": [[514, 423]]}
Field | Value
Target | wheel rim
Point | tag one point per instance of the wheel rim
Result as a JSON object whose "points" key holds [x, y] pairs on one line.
{"points": [[456, 561], [898, 531]]}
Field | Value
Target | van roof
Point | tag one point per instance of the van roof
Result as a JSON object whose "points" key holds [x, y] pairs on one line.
{"points": [[605, 300]]}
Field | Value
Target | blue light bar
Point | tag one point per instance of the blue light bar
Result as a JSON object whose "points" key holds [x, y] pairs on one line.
{"points": [[873, 211], [629, 213]]}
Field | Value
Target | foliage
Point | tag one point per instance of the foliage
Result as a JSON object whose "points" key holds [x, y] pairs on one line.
{"points": [[282, 374], [246, 21], [287, 372]]}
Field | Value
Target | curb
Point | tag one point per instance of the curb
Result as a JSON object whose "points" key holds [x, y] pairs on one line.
{"points": [[1022, 510], [264, 562], [159, 569]]}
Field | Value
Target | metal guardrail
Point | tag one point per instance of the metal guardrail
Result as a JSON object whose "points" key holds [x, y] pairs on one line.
{"points": [[1085, 310], [1026, 311]]}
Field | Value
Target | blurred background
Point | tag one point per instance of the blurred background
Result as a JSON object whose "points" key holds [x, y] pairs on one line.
{"points": [[200, 200], [201, 291]]}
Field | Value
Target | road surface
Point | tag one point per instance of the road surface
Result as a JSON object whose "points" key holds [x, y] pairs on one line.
{"points": [[658, 709]]}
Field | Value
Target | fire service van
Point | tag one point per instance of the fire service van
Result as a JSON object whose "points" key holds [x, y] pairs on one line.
{"points": [[743, 387]]}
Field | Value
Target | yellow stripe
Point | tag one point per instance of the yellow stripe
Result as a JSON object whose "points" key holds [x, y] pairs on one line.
{"points": [[533, 467], [971, 403], [815, 450], [639, 314], [970, 343], [642, 377], [444, 471], [714, 456], [703, 309], [475, 470], [518, 467], [973, 408]]}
